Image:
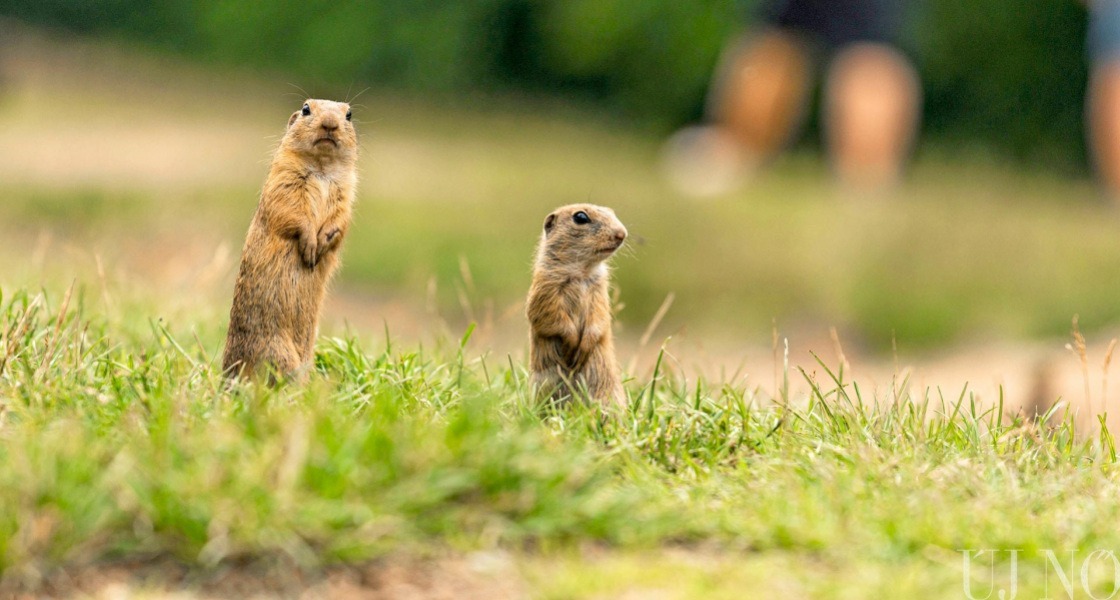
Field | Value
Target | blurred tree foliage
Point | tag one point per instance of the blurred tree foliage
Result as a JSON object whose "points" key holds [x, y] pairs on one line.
{"points": [[1009, 74], [1006, 75]]}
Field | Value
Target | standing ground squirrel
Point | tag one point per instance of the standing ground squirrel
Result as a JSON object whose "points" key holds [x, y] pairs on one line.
{"points": [[571, 346], [292, 247]]}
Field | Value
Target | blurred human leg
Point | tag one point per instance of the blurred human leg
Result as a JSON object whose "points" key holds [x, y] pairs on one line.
{"points": [[1103, 103], [871, 114], [758, 100], [1104, 123], [760, 96]]}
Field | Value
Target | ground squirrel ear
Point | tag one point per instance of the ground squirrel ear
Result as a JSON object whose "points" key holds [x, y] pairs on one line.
{"points": [[293, 118], [549, 221]]}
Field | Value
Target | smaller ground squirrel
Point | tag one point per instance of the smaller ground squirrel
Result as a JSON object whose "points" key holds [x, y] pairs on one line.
{"points": [[291, 250], [571, 347]]}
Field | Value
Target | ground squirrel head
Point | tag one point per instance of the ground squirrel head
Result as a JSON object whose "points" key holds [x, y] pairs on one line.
{"points": [[581, 235], [322, 129]]}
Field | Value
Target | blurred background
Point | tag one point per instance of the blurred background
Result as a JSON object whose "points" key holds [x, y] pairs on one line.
{"points": [[134, 137]]}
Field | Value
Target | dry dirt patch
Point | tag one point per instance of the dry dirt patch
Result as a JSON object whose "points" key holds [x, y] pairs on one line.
{"points": [[477, 576]]}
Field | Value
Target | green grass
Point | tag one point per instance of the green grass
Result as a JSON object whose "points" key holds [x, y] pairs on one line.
{"points": [[120, 442]]}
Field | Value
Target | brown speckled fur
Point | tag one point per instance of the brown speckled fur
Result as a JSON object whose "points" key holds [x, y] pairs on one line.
{"points": [[569, 310], [291, 250]]}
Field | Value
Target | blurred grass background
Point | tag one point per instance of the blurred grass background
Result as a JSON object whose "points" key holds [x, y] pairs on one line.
{"points": [[142, 133], [1007, 79]]}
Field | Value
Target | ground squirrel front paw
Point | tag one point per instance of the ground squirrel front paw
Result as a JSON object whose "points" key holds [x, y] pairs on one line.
{"points": [[328, 239], [308, 250]]}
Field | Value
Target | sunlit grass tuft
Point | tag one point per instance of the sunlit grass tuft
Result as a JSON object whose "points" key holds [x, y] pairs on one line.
{"points": [[123, 443]]}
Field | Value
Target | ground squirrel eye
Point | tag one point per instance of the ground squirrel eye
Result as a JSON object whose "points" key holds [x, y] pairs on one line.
{"points": [[306, 110], [581, 218], [348, 113]]}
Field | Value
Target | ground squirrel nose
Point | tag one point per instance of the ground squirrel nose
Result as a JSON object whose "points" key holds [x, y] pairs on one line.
{"points": [[329, 125], [620, 235]]}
